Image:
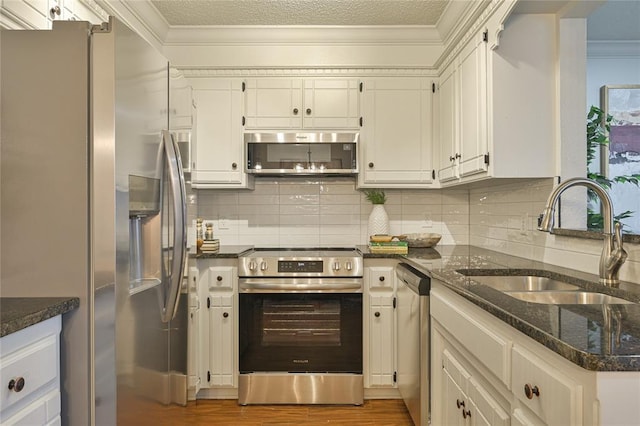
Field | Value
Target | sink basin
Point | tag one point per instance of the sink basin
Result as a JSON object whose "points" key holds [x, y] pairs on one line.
{"points": [[567, 297], [522, 283]]}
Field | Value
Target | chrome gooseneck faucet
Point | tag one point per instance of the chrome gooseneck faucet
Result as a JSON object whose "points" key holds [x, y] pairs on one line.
{"points": [[613, 255]]}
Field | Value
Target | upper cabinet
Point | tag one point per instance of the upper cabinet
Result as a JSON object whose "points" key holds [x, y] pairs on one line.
{"points": [[396, 136], [218, 148], [302, 104], [496, 101], [39, 15]]}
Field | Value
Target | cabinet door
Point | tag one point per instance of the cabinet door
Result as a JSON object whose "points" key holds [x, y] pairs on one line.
{"points": [[194, 380], [447, 125], [396, 142], [382, 340], [331, 103], [218, 146], [472, 74], [221, 340], [273, 103]]}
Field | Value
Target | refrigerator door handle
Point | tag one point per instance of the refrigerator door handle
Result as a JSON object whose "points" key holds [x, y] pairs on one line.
{"points": [[176, 180]]}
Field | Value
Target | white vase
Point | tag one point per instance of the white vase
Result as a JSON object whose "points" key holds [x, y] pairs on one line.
{"points": [[378, 220]]}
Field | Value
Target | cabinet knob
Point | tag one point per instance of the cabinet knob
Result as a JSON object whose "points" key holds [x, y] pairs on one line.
{"points": [[219, 278], [377, 314], [381, 278], [459, 403], [451, 158], [16, 385], [371, 165], [308, 111], [55, 11], [458, 155], [466, 414], [295, 111], [234, 166], [225, 314], [530, 391]]}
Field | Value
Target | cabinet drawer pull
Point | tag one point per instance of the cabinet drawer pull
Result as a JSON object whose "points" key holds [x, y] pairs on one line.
{"points": [[308, 111], [371, 165], [377, 314], [459, 403], [225, 314], [219, 278], [381, 278], [234, 166], [530, 391], [295, 111], [16, 385]]}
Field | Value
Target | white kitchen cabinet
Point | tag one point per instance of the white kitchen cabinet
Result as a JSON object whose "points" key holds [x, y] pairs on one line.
{"points": [[182, 115], [218, 343], [30, 375], [380, 324], [498, 370], [218, 148], [463, 113], [40, 14], [302, 104], [396, 137], [496, 101], [194, 339]]}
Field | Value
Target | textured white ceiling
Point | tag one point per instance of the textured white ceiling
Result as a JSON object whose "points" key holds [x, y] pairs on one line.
{"points": [[301, 12]]}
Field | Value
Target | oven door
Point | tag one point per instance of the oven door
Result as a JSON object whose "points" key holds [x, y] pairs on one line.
{"points": [[300, 332]]}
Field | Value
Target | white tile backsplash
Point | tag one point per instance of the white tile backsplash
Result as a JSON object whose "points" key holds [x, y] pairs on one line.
{"points": [[498, 215]]}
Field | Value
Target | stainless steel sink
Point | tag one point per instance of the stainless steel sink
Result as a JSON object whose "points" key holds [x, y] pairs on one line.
{"points": [[522, 283], [567, 297]]}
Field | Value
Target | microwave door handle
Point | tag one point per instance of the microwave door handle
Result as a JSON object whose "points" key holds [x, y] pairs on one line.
{"points": [[176, 182]]}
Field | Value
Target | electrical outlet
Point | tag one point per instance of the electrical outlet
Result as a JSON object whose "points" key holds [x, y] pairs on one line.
{"points": [[523, 223], [223, 224], [428, 223]]}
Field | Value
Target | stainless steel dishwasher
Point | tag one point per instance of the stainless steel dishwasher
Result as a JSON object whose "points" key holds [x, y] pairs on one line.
{"points": [[413, 341]]}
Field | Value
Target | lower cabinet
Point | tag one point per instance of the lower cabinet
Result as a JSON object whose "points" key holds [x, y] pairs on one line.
{"points": [[215, 329], [30, 375], [487, 373], [379, 323]]}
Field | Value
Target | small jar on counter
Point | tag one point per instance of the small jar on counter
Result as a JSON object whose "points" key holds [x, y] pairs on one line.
{"points": [[208, 234]]}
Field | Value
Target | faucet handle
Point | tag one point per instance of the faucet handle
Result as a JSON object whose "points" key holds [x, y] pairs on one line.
{"points": [[617, 232]]}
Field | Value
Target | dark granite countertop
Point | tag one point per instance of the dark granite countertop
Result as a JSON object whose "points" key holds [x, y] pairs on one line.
{"points": [[17, 313], [225, 252], [595, 337]]}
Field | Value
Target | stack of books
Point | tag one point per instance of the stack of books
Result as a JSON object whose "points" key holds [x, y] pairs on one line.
{"points": [[392, 247], [210, 246]]}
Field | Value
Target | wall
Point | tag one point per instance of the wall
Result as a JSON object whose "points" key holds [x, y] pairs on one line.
{"points": [[290, 212], [496, 212]]}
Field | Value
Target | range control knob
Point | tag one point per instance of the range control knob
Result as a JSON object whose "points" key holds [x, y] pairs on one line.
{"points": [[349, 265], [336, 266], [253, 265], [263, 266]]}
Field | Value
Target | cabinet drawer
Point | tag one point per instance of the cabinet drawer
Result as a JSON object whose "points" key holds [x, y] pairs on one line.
{"points": [[44, 411], [381, 277], [221, 278], [489, 348], [554, 397], [36, 364]]}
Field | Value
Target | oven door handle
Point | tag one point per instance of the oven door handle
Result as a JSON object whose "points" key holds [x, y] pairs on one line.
{"points": [[278, 285]]}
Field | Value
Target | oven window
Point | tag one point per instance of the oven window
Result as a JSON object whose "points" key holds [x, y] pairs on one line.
{"points": [[292, 332], [300, 322]]}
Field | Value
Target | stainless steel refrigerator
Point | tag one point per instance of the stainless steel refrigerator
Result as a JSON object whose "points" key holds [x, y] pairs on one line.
{"points": [[92, 206]]}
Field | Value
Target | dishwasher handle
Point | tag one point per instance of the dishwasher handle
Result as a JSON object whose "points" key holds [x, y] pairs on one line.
{"points": [[417, 281]]}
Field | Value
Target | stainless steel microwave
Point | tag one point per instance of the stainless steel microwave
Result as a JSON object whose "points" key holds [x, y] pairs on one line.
{"points": [[301, 153]]}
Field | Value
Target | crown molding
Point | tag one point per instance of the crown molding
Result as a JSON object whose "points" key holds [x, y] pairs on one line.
{"points": [[217, 72], [301, 35], [613, 49]]}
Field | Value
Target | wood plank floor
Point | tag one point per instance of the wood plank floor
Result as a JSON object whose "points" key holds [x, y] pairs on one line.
{"points": [[378, 412]]}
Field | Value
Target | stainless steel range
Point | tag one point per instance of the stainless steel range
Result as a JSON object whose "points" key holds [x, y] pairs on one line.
{"points": [[300, 327]]}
